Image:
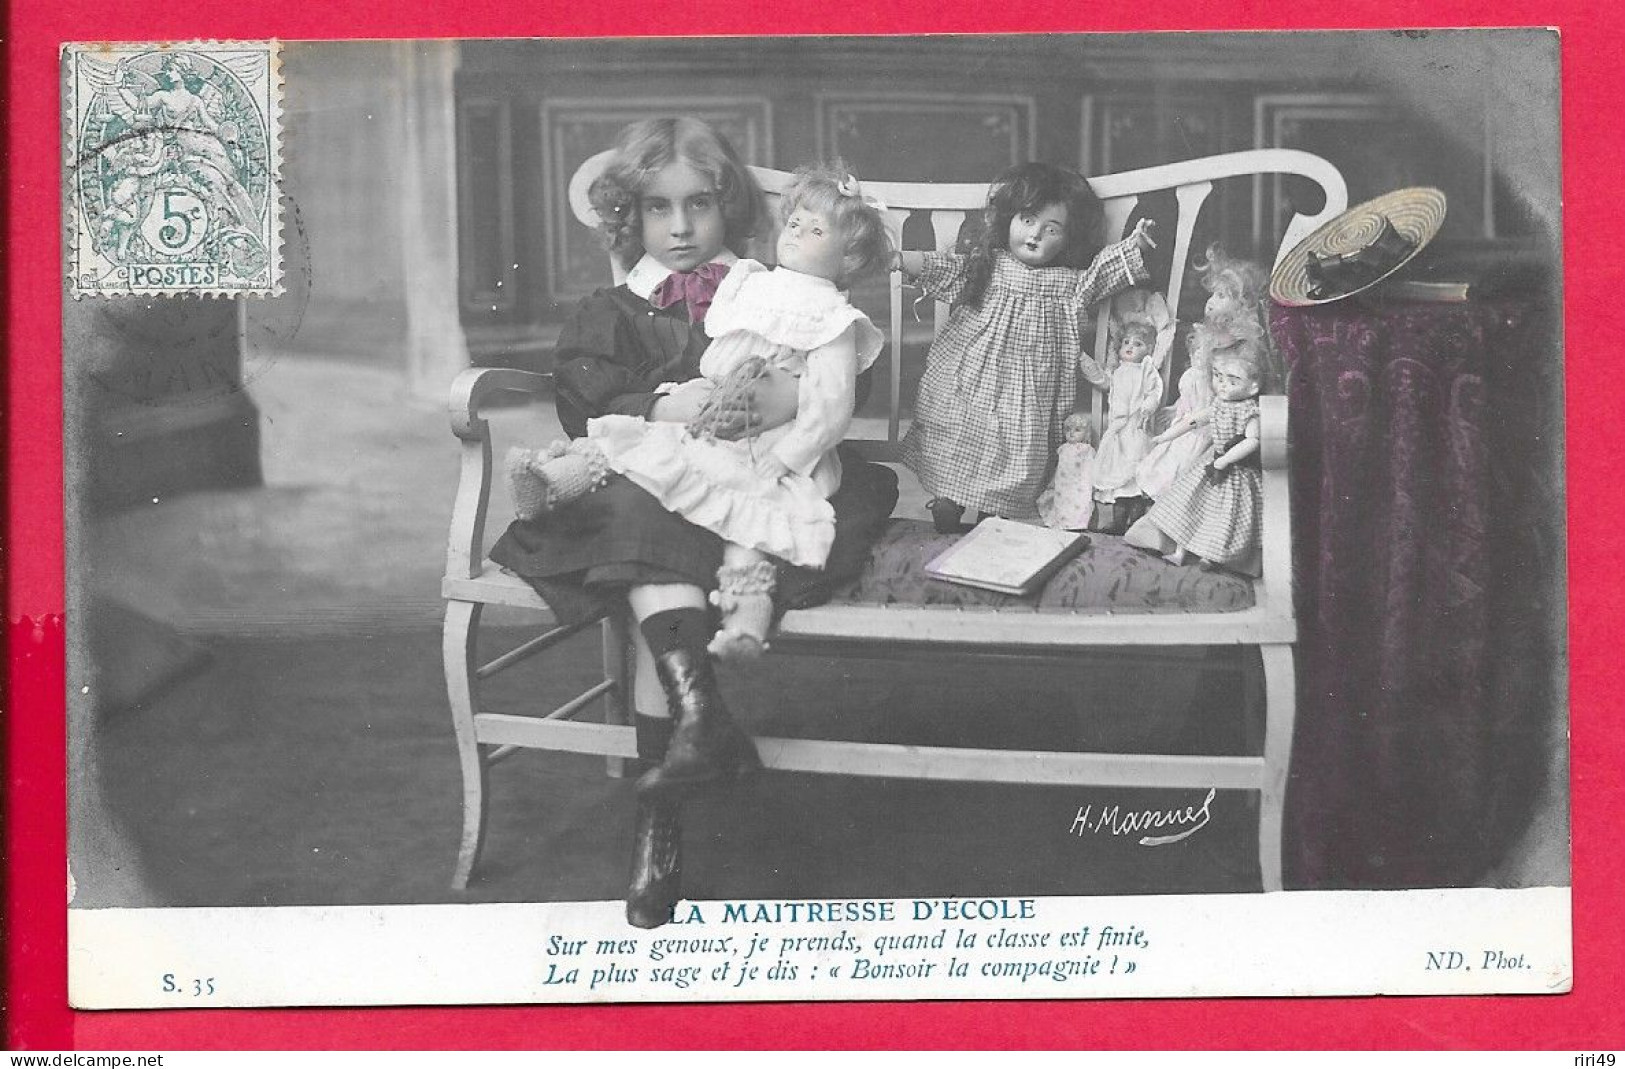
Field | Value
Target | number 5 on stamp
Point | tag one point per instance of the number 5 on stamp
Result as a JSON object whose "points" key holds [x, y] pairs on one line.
{"points": [[173, 168]]}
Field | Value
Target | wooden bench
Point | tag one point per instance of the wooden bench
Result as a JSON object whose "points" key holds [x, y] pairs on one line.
{"points": [[473, 582]]}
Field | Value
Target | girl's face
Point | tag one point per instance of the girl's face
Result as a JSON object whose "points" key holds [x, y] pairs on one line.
{"points": [[810, 244], [1133, 348], [1233, 381], [1038, 235], [682, 218]]}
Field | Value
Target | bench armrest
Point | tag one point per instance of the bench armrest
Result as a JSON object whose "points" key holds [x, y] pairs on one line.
{"points": [[465, 548], [1274, 592], [472, 388]]}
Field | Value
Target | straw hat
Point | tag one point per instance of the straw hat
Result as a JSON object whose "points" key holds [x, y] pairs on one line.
{"points": [[1359, 248]]}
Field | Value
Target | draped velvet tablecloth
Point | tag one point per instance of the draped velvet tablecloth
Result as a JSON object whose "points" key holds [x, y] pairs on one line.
{"points": [[1425, 462]]}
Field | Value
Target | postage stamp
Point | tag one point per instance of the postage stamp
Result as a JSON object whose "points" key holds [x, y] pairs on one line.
{"points": [[173, 157]]}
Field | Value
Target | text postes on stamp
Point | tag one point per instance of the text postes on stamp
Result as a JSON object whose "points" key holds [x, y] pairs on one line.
{"points": [[173, 168]]}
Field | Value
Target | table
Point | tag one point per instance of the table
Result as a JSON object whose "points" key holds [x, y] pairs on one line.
{"points": [[1426, 468]]}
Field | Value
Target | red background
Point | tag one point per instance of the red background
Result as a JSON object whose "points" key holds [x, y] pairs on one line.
{"points": [[1592, 1017]]}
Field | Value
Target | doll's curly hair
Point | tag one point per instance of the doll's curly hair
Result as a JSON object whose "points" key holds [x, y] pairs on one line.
{"points": [[1247, 285], [642, 150], [1029, 187], [832, 191]]}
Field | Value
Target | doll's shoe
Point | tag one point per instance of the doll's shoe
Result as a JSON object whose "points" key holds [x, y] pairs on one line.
{"points": [[542, 479], [946, 515], [734, 646], [744, 595]]}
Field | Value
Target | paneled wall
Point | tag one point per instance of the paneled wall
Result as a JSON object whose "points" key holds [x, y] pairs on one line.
{"points": [[963, 108]]}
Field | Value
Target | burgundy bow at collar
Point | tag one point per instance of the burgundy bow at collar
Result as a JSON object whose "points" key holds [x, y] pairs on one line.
{"points": [[695, 288]]}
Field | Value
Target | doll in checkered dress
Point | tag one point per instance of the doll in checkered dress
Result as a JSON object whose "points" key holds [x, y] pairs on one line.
{"points": [[1215, 511], [1003, 375]]}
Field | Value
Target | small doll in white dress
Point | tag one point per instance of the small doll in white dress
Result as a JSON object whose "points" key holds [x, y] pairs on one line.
{"points": [[765, 495], [1142, 333], [1069, 501], [1233, 316], [1215, 510]]}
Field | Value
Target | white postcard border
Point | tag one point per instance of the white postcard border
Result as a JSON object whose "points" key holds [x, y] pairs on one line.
{"points": [[1296, 943]]}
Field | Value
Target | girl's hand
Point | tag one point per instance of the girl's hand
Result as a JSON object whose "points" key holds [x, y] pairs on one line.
{"points": [[1142, 234], [771, 468]]}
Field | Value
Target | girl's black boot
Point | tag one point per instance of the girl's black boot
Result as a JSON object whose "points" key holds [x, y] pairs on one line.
{"points": [[656, 884]]}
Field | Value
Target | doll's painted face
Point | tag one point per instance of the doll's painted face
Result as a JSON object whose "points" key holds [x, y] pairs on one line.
{"points": [[682, 218], [1235, 380], [811, 245], [1038, 235], [1224, 304], [1135, 347], [1075, 428]]}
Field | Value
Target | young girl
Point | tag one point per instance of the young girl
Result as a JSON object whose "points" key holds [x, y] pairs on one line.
{"points": [[1003, 375], [677, 205], [1232, 317], [767, 494], [1215, 511]]}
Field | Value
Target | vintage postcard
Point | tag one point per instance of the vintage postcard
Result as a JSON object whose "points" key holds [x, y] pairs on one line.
{"points": [[501, 477]]}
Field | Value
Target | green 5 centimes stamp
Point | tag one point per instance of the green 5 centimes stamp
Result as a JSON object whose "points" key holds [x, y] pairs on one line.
{"points": [[173, 168]]}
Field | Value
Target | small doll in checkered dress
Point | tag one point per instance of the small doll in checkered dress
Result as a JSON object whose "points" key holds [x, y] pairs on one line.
{"points": [[1215, 511], [1003, 375]]}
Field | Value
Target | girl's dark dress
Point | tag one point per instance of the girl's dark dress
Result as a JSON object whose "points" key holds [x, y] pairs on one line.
{"points": [[612, 354]]}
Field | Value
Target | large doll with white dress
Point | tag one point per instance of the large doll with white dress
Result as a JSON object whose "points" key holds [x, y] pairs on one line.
{"points": [[1141, 334], [766, 495], [1233, 316]]}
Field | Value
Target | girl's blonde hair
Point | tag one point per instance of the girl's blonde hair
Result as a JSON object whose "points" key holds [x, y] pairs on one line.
{"points": [[832, 191], [644, 149]]}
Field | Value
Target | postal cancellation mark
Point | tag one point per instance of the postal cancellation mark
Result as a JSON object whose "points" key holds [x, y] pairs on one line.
{"points": [[173, 168]]}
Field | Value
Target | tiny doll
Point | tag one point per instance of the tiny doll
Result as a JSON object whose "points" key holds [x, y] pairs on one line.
{"points": [[766, 494], [1069, 501], [1134, 392], [1233, 315], [1215, 511], [1003, 375]]}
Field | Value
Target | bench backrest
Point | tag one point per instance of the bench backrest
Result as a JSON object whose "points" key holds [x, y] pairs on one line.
{"points": [[946, 205]]}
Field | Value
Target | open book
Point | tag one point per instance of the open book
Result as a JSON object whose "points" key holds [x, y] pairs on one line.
{"points": [[1007, 556]]}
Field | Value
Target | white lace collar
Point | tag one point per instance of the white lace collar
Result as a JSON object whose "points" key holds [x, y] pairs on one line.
{"points": [[648, 272]]}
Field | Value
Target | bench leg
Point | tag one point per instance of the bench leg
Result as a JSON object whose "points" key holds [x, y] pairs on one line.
{"points": [[617, 667], [1280, 708], [457, 649]]}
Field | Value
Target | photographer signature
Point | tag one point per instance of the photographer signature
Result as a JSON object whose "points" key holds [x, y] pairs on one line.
{"points": [[1182, 822]]}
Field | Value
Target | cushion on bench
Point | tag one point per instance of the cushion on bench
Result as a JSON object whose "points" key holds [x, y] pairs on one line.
{"points": [[1108, 576]]}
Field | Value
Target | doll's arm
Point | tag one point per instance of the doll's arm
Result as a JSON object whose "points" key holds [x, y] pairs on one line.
{"points": [[1243, 449], [824, 403], [1090, 368], [1115, 268], [1181, 427], [1150, 400], [910, 263], [941, 275]]}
